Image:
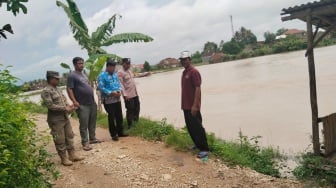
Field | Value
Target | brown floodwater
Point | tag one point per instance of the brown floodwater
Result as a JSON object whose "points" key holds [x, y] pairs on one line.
{"points": [[265, 96]]}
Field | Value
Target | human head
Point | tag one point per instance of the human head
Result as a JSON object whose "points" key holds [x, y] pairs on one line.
{"points": [[185, 59], [110, 66], [52, 78], [78, 63], [126, 63]]}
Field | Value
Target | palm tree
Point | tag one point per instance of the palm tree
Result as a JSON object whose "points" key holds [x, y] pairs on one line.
{"points": [[101, 37]]}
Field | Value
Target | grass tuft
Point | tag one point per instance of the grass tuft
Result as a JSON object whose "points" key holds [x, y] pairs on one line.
{"points": [[151, 130]]}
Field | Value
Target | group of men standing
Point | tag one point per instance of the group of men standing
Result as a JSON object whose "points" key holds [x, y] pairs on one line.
{"points": [[113, 85], [81, 94]]}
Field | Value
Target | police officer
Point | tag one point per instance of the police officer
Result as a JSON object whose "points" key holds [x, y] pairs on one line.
{"points": [[58, 120]]}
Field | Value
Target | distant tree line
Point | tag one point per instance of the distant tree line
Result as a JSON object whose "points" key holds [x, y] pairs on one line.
{"points": [[41, 83], [244, 44]]}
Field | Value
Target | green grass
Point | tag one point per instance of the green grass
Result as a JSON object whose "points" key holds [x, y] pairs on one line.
{"points": [[34, 108], [151, 130], [102, 120]]}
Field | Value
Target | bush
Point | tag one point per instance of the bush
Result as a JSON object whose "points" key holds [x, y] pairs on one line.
{"points": [[23, 160], [289, 44], [196, 58], [265, 50], [34, 108], [316, 168], [244, 55], [227, 58], [247, 154], [232, 48]]}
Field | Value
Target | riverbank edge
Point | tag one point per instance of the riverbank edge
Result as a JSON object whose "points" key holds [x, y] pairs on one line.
{"points": [[244, 151]]}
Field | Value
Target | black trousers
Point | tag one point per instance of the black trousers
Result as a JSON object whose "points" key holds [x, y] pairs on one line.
{"points": [[196, 130], [115, 118], [132, 110]]}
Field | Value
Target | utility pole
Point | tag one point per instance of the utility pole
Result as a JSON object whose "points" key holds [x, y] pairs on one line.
{"points": [[232, 26]]}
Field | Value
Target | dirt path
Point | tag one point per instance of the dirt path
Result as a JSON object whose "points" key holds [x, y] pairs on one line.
{"points": [[134, 162]]}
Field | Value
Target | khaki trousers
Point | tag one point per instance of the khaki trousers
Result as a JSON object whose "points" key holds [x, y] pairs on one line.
{"points": [[62, 134]]}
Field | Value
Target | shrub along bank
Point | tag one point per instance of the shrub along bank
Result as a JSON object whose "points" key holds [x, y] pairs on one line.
{"points": [[24, 162], [316, 169]]}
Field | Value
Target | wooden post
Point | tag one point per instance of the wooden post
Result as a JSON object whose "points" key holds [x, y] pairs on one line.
{"points": [[312, 84]]}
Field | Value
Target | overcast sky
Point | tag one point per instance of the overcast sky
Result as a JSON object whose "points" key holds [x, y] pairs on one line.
{"points": [[43, 39]]}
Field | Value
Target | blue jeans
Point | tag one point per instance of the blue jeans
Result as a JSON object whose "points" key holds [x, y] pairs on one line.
{"points": [[87, 115]]}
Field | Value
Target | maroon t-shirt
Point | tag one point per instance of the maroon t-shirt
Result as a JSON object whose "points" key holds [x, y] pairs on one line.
{"points": [[191, 79]]}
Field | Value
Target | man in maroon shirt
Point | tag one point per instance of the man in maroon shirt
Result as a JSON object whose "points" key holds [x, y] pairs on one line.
{"points": [[191, 104]]}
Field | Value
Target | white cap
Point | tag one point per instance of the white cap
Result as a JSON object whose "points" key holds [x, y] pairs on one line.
{"points": [[185, 54]]}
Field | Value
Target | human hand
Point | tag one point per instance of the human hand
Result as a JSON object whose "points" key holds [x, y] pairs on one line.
{"points": [[118, 93], [70, 108], [194, 110], [126, 98], [115, 94], [76, 104]]}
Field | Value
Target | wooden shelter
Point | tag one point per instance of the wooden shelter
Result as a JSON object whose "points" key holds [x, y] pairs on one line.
{"points": [[321, 14]]}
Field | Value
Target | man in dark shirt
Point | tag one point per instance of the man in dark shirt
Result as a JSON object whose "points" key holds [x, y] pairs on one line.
{"points": [[81, 94], [191, 104]]}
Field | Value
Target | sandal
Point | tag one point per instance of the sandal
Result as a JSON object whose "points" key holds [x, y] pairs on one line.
{"points": [[202, 154], [87, 147], [96, 141]]}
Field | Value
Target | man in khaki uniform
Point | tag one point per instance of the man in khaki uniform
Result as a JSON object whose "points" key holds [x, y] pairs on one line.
{"points": [[58, 120]]}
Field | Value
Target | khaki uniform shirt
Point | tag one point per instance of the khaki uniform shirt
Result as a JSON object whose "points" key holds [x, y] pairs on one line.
{"points": [[56, 103], [126, 79]]}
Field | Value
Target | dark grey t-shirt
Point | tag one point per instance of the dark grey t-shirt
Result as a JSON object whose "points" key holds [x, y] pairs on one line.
{"points": [[81, 87]]}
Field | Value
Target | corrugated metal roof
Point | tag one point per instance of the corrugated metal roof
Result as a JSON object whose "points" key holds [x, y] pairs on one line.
{"points": [[323, 13], [314, 4]]}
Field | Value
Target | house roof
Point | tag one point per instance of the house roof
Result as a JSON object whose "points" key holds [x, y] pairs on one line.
{"points": [[293, 31], [140, 66], [323, 13], [169, 61]]}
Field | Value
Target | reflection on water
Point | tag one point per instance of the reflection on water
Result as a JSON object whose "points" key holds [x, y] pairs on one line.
{"points": [[266, 96]]}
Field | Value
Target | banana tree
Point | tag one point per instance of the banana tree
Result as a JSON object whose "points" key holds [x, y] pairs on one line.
{"points": [[93, 43]]}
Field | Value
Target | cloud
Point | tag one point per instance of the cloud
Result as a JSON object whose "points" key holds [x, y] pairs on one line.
{"points": [[44, 35], [67, 42], [38, 69]]}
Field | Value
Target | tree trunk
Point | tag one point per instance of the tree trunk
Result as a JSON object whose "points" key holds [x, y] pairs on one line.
{"points": [[94, 85]]}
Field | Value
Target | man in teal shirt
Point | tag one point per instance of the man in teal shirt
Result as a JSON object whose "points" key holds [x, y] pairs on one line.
{"points": [[110, 89]]}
